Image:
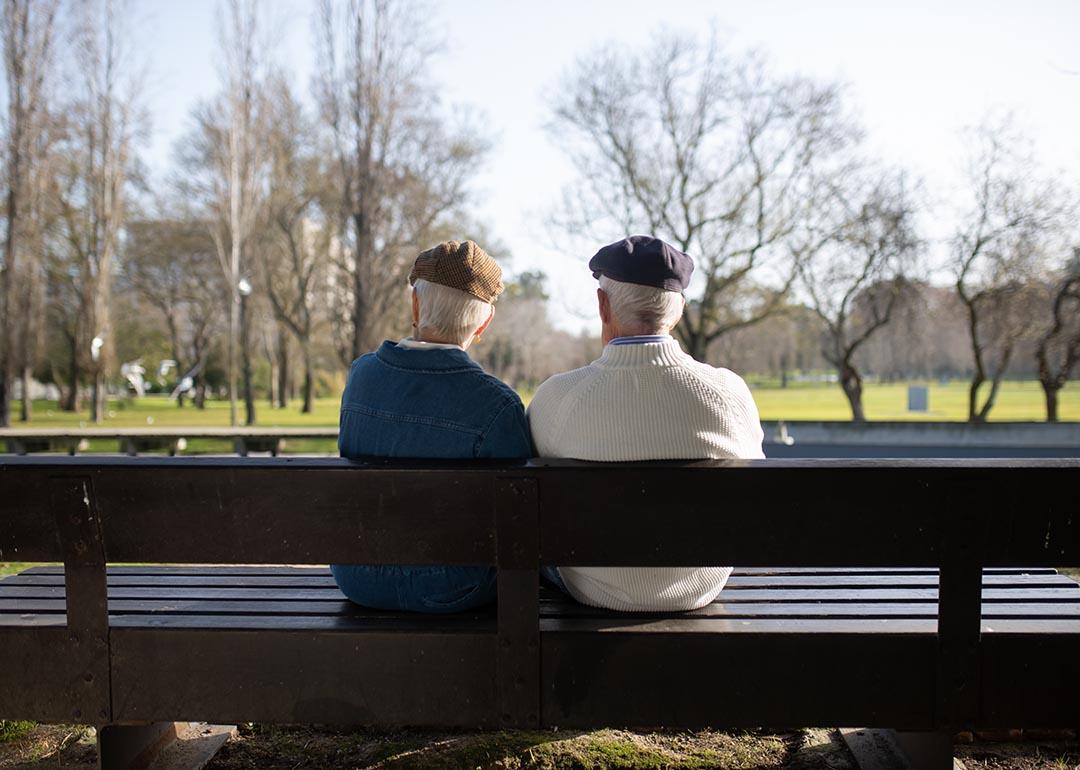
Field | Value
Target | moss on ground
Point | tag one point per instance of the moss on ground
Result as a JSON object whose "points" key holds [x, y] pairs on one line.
{"points": [[275, 747]]}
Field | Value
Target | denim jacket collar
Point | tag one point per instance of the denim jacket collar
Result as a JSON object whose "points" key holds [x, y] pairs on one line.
{"points": [[438, 359]]}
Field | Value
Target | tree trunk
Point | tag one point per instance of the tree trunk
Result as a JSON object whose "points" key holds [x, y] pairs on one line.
{"points": [[27, 404], [1050, 390], [973, 397], [851, 383], [72, 402], [283, 367], [3, 402], [234, 315], [309, 384], [97, 401], [984, 412], [249, 397]]}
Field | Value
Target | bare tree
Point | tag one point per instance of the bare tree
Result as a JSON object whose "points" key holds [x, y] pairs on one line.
{"points": [[399, 170], [238, 164], [297, 238], [1058, 346], [26, 32], [998, 252], [709, 151], [103, 120], [854, 269]]}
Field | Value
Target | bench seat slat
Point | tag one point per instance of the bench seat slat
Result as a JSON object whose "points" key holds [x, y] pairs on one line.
{"points": [[1058, 593], [715, 610], [210, 577], [323, 571]]}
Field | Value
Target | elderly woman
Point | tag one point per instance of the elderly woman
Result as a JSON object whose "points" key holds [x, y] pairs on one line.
{"points": [[424, 397]]}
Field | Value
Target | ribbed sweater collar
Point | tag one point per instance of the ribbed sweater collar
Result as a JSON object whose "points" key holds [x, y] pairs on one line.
{"points": [[668, 353]]}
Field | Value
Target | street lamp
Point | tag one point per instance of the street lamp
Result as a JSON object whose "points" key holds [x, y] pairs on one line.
{"points": [[243, 286]]}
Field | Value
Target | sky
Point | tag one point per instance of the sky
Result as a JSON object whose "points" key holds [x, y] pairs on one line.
{"points": [[917, 72]]}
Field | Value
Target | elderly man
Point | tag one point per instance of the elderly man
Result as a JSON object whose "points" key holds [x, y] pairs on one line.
{"points": [[424, 397], [644, 399]]}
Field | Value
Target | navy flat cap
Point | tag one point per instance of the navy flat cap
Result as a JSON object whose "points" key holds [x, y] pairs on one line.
{"points": [[644, 260]]}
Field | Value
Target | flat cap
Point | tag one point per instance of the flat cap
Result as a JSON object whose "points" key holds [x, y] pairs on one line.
{"points": [[461, 265], [644, 260]]}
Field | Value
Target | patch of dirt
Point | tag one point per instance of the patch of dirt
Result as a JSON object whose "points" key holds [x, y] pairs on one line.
{"points": [[1027, 754], [273, 748], [269, 747]]}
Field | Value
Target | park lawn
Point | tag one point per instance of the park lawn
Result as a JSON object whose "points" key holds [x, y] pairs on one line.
{"points": [[1017, 401]]}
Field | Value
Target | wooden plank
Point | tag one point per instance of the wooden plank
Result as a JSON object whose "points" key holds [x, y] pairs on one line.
{"points": [[905, 506], [409, 623], [40, 680], [518, 663], [322, 571], [206, 579], [851, 595], [691, 681], [795, 626], [193, 569], [720, 610], [383, 679], [1030, 680], [903, 502], [74, 504]]}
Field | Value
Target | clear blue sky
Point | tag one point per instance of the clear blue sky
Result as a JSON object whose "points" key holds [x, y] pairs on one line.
{"points": [[918, 71]]}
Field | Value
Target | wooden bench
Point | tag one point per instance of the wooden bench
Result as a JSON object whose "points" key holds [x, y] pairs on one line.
{"points": [[923, 598]]}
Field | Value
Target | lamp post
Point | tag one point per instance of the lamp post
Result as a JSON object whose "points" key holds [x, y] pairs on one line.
{"points": [[244, 288]]}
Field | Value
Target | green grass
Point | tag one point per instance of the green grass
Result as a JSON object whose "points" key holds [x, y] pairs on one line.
{"points": [[10, 731], [1017, 401]]}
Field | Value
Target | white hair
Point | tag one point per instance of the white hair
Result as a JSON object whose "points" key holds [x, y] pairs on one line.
{"points": [[449, 313], [642, 309]]}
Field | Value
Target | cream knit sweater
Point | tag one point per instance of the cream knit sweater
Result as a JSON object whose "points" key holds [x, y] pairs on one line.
{"points": [[645, 402]]}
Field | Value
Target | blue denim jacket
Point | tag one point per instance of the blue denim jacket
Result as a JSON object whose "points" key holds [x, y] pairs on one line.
{"points": [[426, 404]]}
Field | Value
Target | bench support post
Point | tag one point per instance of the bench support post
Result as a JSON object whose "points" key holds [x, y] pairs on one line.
{"points": [[133, 747], [896, 750], [517, 543]]}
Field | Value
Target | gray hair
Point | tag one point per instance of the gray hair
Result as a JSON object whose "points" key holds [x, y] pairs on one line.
{"points": [[642, 309], [450, 313]]}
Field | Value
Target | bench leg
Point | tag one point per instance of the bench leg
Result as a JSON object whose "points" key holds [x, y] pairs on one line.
{"points": [[133, 747], [896, 750]]}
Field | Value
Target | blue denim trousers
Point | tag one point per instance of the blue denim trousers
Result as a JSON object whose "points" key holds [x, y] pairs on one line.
{"points": [[416, 589]]}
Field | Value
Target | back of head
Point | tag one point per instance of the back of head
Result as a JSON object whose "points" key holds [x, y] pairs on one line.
{"points": [[449, 314], [456, 285], [641, 309]]}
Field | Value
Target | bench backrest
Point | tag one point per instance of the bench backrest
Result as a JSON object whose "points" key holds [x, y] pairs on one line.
{"points": [[956, 515]]}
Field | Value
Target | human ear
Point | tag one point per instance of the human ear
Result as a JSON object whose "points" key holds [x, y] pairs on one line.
{"points": [[605, 305], [485, 324]]}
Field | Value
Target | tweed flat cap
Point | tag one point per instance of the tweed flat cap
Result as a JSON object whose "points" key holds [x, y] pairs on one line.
{"points": [[460, 265], [644, 260]]}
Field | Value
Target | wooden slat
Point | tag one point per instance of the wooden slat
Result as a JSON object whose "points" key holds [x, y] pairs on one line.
{"points": [[690, 680], [855, 595], [718, 610], [335, 676], [213, 577], [323, 572], [409, 513], [1030, 680]]}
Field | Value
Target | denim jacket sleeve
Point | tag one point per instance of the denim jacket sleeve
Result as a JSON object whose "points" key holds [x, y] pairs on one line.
{"points": [[507, 436]]}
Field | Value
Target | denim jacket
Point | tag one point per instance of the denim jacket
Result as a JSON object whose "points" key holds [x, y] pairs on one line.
{"points": [[434, 403]]}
